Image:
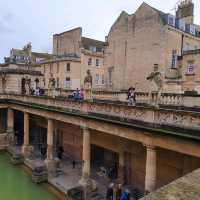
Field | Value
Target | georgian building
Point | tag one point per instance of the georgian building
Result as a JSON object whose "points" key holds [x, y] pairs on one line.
{"points": [[190, 69], [138, 41], [76, 54]]}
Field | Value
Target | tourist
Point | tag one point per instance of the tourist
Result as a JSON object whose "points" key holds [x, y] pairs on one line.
{"points": [[73, 164], [118, 191], [125, 195], [82, 94], [131, 96], [110, 192], [43, 151], [76, 94], [60, 152]]}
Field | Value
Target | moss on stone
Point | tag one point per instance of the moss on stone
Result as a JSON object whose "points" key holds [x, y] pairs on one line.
{"points": [[185, 188]]}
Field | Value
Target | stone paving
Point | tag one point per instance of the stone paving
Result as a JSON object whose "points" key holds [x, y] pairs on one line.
{"points": [[68, 179], [185, 188]]}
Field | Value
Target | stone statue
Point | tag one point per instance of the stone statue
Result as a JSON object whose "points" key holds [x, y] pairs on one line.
{"points": [[28, 49], [27, 85], [51, 86], [3, 82], [156, 80], [88, 86]]}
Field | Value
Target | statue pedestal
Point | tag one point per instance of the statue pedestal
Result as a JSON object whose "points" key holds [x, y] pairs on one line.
{"points": [[53, 167], [27, 150], [88, 91], [10, 136]]}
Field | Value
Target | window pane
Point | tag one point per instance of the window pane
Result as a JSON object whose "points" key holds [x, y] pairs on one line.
{"points": [[90, 61], [68, 67]]}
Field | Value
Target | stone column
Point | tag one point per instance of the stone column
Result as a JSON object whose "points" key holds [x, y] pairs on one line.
{"points": [[86, 152], [150, 177], [50, 130], [86, 181], [27, 150], [10, 125], [121, 168], [51, 162]]}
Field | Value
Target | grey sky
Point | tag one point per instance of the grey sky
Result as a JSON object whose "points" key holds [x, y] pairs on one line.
{"points": [[37, 20]]}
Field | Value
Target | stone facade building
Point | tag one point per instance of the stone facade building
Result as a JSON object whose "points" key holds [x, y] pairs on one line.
{"points": [[19, 66], [89, 52], [190, 68], [138, 41]]}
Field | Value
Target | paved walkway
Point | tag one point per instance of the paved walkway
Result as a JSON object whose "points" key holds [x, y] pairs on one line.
{"points": [[68, 179]]}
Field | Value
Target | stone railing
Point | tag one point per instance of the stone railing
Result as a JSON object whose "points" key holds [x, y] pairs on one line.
{"points": [[141, 97], [138, 116]]}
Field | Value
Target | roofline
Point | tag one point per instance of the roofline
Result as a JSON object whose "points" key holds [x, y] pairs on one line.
{"points": [[59, 60], [93, 39], [33, 52], [57, 34]]}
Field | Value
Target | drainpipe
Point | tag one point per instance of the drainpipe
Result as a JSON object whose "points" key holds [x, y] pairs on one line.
{"points": [[182, 40]]}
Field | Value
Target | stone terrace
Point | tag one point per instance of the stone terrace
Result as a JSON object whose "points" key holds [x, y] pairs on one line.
{"points": [[185, 188]]}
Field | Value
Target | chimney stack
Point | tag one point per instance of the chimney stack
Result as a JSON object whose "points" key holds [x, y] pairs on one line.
{"points": [[185, 11]]}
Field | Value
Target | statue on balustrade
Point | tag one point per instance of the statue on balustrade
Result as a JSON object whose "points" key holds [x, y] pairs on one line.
{"points": [[27, 85], [88, 86], [3, 82], [156, 86], [51, 86], [28, 49]]}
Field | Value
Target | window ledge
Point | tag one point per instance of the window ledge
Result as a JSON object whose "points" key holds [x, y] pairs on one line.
{"points": [[188, 74]]}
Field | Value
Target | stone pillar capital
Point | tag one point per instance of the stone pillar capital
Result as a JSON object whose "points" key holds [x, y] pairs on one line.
{"points": [[84, 127], [150, 146]]}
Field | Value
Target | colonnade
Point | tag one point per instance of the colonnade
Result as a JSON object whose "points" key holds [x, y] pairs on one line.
{"points": [[150, 175]]}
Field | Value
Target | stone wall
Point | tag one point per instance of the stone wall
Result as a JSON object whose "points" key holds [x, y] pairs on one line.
{"points": [[67, 42], [170, 165], [136, 42]]}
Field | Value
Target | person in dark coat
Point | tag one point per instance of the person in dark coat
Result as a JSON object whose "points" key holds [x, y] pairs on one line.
{"points": [[118, 191], [60, 152], [110, 192]]}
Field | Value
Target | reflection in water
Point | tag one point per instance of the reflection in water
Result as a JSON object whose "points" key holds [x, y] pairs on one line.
{"points": [[15, 184]]}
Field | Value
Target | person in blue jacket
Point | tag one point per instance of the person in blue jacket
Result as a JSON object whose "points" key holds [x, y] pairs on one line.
{"points": [[125, 195]]}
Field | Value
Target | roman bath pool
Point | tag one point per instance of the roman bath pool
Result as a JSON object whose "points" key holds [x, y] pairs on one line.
{"points": [[16, 184]]}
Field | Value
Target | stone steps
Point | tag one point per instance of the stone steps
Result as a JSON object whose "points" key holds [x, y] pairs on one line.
{"points": [[96, 196]]}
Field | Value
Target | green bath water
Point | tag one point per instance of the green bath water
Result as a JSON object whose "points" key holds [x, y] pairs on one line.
{"points": [[15, 184]]}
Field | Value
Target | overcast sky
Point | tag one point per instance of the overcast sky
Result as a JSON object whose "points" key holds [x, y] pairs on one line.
{"points": [[37, 20]]}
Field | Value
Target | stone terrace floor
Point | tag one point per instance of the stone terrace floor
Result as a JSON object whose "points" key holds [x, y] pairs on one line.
{"points": [[69, 178], [185, 188]]}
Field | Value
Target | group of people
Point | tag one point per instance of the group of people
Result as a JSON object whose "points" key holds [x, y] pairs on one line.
{"points": [[131, 97], [118, 193], [78, 94]]}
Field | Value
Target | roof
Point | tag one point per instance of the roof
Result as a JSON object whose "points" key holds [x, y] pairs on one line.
{"points": [[87, 42], [20, 71], [71, 30], [36, 54], [59, 59]]}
